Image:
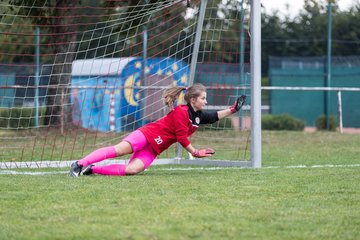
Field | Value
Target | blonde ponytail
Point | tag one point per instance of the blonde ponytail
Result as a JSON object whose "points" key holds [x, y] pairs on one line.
{"points": [[171, 94]]}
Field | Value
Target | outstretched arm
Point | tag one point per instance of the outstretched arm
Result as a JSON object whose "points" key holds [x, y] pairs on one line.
{"points": [[224, 113], [190, 148], [232, 109]]}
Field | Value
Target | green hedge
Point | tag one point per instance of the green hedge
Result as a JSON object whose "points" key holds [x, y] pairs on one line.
{"points": [[282, 122], [15, 118], [321, 123]]}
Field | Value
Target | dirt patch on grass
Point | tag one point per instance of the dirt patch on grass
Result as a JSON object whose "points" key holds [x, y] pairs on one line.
{"points": [[345, 130]]}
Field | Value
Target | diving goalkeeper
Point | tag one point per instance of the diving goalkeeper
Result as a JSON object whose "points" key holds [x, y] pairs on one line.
{"points": [[145, 143]]}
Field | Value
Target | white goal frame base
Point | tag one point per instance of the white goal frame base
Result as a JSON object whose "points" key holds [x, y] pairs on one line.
{"points": [[162, 161]]}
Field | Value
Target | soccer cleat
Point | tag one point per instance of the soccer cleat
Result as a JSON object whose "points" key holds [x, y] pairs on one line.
{"points": [[87, 170], [75, 169]]}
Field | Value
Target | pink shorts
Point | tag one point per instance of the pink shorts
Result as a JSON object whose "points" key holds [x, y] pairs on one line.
{"points": [[141, 148]]}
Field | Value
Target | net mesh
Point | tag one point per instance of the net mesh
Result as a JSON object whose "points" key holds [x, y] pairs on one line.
{"points": [[78, 76]]}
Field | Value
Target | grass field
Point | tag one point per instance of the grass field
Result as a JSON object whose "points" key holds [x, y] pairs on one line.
{"points": [[308, 189]]}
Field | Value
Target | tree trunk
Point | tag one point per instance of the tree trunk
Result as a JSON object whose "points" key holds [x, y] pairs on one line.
{"points": [[61, 71]]}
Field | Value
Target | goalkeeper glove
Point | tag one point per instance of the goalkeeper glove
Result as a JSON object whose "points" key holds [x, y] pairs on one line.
{"points": [[238, 104], [208, 152]]}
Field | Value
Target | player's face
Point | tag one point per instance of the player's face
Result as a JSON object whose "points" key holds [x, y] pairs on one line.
{"points": [[199, 102]]}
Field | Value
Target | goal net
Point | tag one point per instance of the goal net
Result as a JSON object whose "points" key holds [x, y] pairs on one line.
{"points": [[78, 76]]}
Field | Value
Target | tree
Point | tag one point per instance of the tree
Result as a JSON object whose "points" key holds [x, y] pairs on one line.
{"points": [[346, 33], [306, 34], [58, 17]]}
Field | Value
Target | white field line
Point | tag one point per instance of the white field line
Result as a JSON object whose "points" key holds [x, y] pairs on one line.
{"points": [[14, 172], [270, 167]]}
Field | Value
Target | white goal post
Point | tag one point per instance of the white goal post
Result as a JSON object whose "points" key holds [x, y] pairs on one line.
{"points": [[86, 76]]}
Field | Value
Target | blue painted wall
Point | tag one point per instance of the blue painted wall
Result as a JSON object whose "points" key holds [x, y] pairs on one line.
{"points": [[91, 106]]}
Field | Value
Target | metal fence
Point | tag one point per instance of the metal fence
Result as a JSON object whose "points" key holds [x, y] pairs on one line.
{"points": [[305, 91]]}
